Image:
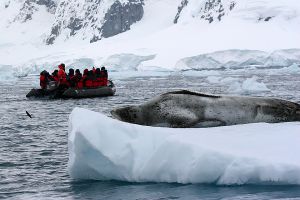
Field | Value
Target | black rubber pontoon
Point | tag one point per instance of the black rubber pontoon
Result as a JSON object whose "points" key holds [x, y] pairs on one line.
{"points": [[102, 91]]}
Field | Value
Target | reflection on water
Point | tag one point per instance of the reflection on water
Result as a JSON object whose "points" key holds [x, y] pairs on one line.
{"points": [[34, 155]]}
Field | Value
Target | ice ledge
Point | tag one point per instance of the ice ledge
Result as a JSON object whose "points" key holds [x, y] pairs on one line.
{"points": [[102, 148]]}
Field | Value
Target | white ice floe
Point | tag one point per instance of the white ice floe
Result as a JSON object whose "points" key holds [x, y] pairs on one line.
{"points": [[250, 85], [102, 148]]}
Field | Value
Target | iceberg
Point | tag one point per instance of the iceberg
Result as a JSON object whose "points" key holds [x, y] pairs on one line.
{"points": [[102, 148], [240, 59], [126, 61]]}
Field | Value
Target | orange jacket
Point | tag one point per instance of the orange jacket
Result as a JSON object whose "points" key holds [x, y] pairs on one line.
{"points": [[62, 77]]}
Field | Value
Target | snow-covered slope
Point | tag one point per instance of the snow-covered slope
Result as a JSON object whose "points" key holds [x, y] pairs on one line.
{"points": [[212, 10], [168, 32], [102, 148], [261, 11]]}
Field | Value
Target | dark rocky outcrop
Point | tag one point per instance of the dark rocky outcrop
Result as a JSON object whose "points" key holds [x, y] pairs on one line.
{"points": [[120, 17], [180, 8]]}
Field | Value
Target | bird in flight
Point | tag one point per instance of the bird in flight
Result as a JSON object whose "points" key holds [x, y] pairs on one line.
{"points": [[29, 115]]}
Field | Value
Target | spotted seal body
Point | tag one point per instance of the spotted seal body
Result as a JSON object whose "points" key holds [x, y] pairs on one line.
{"points": [[190, 109]]}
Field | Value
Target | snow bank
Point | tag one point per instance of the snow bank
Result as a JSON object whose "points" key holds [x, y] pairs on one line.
{"points": [[102, 148]]}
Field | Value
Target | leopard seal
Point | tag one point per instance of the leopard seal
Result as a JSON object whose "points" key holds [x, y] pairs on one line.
{"points": [[182, 109]]}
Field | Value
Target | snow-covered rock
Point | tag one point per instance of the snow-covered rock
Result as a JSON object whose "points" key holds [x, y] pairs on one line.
{"points": [[88, 19], [209, 10], [102, 148], [257, 11], [30, 7], [94, 19]]}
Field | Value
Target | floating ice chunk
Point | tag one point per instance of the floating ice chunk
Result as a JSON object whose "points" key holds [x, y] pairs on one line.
{"points": [[102, 148], [250, 85], [235, 88]]}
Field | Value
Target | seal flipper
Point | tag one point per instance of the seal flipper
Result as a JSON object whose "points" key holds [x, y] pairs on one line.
{"points": [[185, 119]]}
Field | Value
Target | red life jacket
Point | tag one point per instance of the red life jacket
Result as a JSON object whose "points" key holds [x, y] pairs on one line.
{"points": [[55, 78], [105, 80], [62, 77], [88, 83], [95, 83], [78, 81], [43, 82], [72, 80], [80, 84]]}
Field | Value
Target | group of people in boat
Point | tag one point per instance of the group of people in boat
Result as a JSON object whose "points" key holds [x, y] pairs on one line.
{"points": [[89, 79]]}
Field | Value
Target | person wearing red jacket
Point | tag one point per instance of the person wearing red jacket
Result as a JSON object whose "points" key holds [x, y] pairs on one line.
{"points": [[78, 79], [71, 78], [84, 76], [62, 77], [98, 80], [43, 80], [89, 79], [104, 76], [55, 76]]}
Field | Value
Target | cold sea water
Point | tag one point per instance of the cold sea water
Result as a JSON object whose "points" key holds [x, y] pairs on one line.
{"points": [[34, 151]]}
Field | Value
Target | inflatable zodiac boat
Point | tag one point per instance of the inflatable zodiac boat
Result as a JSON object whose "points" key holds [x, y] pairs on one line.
{"points": [[102, 91]]}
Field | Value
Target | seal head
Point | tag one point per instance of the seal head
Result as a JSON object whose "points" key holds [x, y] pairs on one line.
{"points": [[130, 114]]}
